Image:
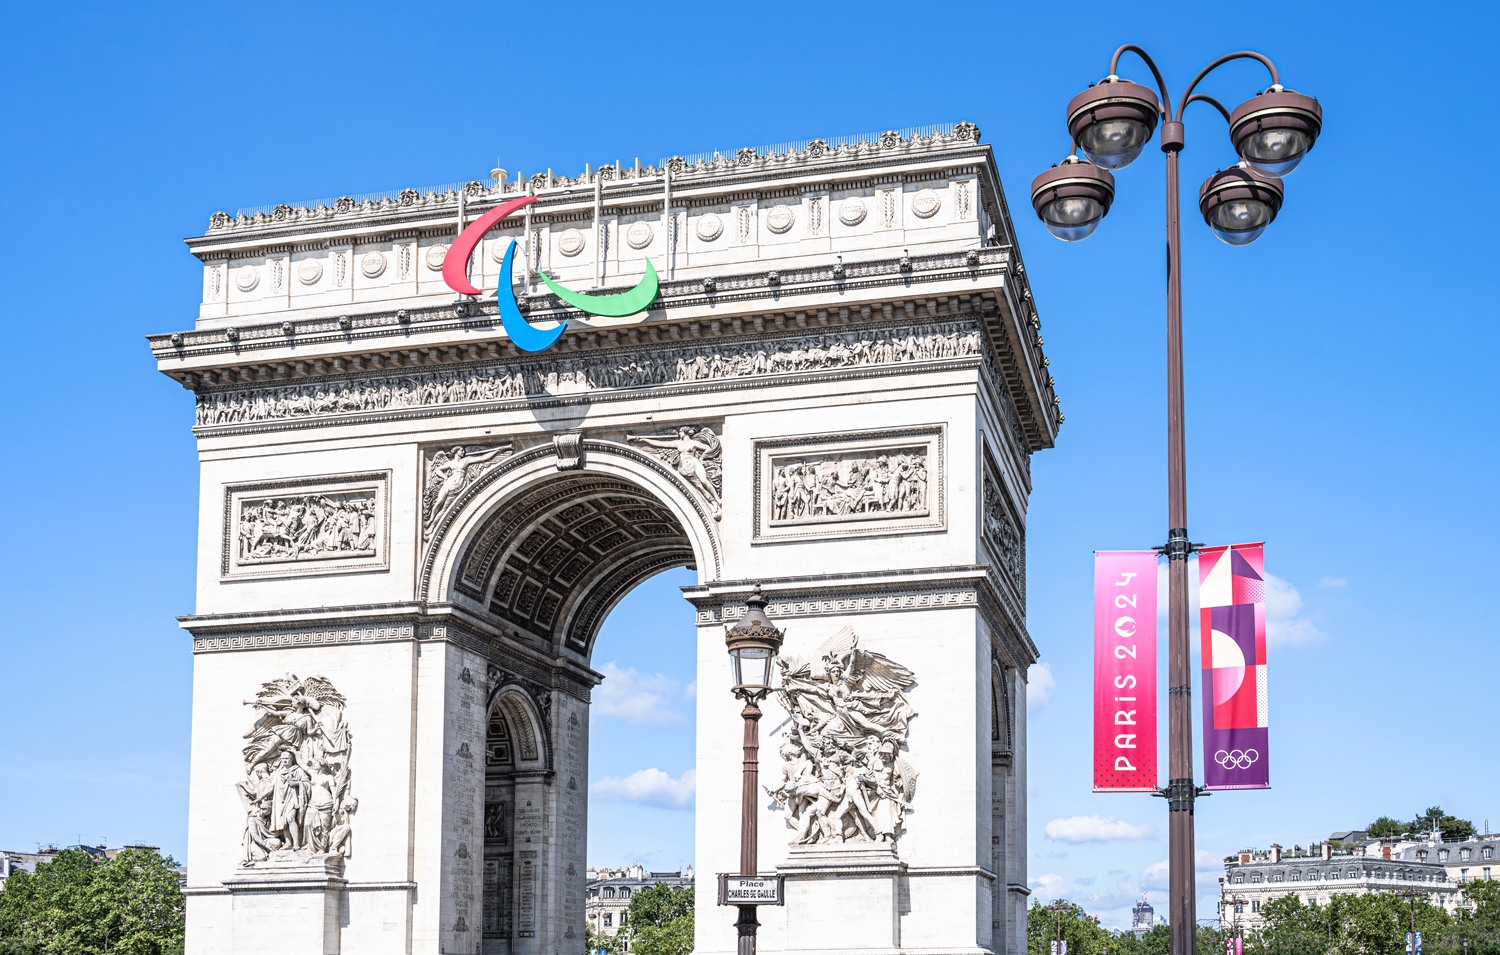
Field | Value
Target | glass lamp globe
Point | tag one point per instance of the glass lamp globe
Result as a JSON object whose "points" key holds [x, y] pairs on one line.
{"points": [[1114, 143], [1274, 152], [1240, 221], [1072, 219]]}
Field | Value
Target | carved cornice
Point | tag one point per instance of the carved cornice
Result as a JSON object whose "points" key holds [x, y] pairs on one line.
{"points": [[341, 626], [963, 587]]}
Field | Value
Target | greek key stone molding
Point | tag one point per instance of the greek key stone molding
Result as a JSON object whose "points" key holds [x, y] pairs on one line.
{"points": [[215, 634], [324, 524], [889, 481], [963, 587]]}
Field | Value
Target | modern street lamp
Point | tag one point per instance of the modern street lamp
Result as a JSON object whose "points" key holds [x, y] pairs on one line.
{"points": [[1411, 896], [1110, 124], [1060, 906], [753, 643]]}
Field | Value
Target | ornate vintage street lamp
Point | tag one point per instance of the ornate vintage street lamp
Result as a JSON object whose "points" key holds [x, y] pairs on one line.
{"points": [[1110, 123], [753, 643]]}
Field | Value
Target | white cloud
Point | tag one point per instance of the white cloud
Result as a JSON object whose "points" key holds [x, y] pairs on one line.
{"points": [[1207, 865], [1283, 604], [690, 692], [1039, 685], [1048, 887], [1096, 828], [1333, 582], [635, 697], [649, 787]]}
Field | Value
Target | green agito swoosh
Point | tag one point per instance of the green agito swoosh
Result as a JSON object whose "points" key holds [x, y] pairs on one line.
{"points": [[635, 300]]}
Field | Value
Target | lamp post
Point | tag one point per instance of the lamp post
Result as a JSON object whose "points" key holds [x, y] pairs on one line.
{"points": [[1411, 896], [1110, 123], [753, 643], [1060, 906]]}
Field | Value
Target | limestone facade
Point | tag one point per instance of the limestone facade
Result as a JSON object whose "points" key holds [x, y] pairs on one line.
{"points": [[836, 395]]}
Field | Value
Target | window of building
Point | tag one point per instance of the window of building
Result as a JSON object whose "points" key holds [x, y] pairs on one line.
{"points": [[1422, 854], [1486, 873], [609, 893], [1238, 879], [1333, 873], [1255, 877], [1463, 874], [1239, 908], [1442, 855], [1352, 873], [624, 893], [623, 917], [1255, 906], [607, 921], [1463, 854], [1487, 852], [1296, 875], [1279, 877]]}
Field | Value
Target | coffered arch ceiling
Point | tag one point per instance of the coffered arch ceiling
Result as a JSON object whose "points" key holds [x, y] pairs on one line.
{"points": [[554, 560]]}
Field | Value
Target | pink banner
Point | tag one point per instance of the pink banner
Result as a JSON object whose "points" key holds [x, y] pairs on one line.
{"points": [[1125, 671]]}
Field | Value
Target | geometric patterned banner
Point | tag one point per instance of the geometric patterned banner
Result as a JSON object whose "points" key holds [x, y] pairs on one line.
{"points": [[1125, 671], [1232, 601]]}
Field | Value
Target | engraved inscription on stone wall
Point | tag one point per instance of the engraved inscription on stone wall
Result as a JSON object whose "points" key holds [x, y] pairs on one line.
{"points": [[299, 526], [859, 485], [849, 484]]}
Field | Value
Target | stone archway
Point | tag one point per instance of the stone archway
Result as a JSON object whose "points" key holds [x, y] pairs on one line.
{"points": [[534, 554]]}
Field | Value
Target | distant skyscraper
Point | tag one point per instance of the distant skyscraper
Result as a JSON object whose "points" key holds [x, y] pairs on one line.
{"points": [[1143, 916]]}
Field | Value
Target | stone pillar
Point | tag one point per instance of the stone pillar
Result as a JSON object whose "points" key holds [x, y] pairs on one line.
{"points": [[288, 906]]}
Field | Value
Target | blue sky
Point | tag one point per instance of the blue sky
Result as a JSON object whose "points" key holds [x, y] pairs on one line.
{"points": [[1341, 374]]}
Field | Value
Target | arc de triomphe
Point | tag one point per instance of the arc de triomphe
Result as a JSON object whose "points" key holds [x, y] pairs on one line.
{"points": [[411, 531]]}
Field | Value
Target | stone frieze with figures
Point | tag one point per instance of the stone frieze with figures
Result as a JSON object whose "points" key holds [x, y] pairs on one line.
{"points": [[300, 526], [850, 484]]}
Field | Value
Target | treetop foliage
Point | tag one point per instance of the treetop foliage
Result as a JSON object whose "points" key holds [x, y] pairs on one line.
{"points": [[1434, 818], [71, 905]]}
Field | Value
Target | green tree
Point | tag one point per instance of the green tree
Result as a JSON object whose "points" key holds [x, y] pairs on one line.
{"points": [[73, 903], [1451, 826], [593, 941], [1080, 930], [661, 921], [1373, 924], [1386, 828]]}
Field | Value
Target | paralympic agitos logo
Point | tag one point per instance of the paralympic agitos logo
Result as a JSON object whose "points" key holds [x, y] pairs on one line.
{"points": [[522, 333]]}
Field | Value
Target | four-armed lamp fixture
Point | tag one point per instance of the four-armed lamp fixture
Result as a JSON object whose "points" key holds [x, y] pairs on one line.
{"points": [[753, 643], [1110, 123]]}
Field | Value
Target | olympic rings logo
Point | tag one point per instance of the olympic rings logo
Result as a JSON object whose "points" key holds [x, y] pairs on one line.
{"points": [[523, 334], [1237, 758]]}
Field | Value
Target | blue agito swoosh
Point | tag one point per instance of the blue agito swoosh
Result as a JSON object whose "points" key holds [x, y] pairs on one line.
{"points": [[523, 334]]}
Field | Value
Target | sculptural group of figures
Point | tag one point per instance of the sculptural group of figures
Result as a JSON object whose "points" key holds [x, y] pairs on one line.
{"points": [[311, 526], [296, 786], [662, 365], [843, 778], [853, 484]]}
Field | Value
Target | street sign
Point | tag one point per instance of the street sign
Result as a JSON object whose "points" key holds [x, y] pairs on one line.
{"points": [[1408, 943], [1059, 947], [1419, 943], [751, 890]]}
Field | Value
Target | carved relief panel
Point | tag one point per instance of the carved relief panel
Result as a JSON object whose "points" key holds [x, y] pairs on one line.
{"points": [[844, 773], [296, 787], [1004, 529], [854, 484], [326, 524]]}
